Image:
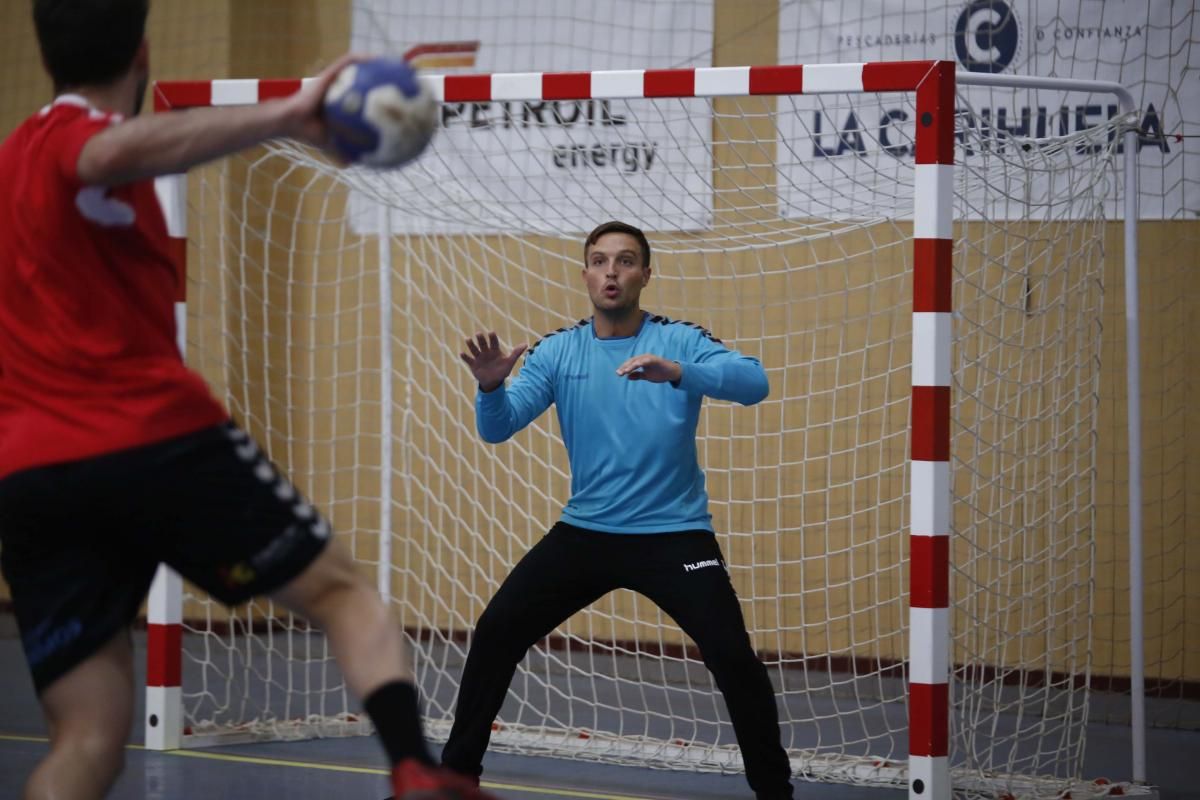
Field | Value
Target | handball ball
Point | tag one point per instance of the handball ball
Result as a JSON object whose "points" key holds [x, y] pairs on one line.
{"points": [[379, 115]]}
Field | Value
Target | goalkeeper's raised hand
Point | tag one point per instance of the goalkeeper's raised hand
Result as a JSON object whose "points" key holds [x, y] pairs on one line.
{"points": [[487, 360]]}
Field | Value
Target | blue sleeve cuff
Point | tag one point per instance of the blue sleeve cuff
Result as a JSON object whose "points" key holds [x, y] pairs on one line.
{"points": [[740, 380], [492, 415], [493, 396]]}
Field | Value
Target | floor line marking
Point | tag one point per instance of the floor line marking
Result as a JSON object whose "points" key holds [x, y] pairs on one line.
{"points": [[279, 762], [263, 761], [14, 737]]}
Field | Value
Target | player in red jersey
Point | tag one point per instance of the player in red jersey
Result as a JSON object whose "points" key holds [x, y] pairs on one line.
{"points": [[114, 456]]}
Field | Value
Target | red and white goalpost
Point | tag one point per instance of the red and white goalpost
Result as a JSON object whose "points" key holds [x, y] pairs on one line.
{"points": [[417, 488]]}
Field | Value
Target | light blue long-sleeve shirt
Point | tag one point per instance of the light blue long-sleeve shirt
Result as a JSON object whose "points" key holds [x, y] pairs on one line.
{"points": [[631, 444]]}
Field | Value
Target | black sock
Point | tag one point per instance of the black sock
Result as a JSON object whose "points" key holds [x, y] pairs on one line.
{"points": [[397, 719]]}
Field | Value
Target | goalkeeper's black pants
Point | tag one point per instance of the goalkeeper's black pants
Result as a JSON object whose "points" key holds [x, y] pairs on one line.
{"points": [[682, 573]]}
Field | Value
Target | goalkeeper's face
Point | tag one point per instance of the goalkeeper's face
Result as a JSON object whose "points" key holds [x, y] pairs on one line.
{"points": [[614, 273]]}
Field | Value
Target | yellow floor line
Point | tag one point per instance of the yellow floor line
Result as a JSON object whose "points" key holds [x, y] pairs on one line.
{"points": [[12, 737], [275, 762], [270, 762]]}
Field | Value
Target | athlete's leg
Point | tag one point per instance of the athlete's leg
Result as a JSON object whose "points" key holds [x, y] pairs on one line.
{"points": [[251, 533], [556, 578], [89, 711], [76, 585], [239, 529], [686, 578], [366, 639]]}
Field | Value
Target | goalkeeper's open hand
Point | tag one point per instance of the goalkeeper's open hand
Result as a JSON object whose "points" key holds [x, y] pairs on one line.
{"points": [[487, 360]]}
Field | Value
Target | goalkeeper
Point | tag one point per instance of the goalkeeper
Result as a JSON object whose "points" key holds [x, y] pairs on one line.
{"points": [[628, 386]]}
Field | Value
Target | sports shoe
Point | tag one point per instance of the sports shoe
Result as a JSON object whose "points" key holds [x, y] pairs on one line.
{"points": [[413, 780]]}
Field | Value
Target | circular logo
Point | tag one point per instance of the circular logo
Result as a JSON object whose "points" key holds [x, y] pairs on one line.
{"points": [[986, 36]]}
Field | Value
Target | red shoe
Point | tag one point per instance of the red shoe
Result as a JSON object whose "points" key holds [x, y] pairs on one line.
{"points": [[412, 780]]}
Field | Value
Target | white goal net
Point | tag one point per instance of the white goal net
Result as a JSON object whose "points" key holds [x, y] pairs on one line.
{"points": [[328, 309]]}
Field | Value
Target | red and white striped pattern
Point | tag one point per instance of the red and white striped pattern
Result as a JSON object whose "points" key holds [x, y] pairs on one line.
{"points": [[929, 498], [164, 609], [164, 662], [895, 76], [929, 490]]}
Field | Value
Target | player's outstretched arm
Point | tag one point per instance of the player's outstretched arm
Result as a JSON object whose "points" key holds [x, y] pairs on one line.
{"points": [[163, 144], [488, 362], [715, 372]]}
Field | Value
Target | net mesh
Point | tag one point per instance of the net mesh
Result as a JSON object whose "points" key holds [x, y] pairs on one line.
{"points": [[802, 262], [1146, 45]]}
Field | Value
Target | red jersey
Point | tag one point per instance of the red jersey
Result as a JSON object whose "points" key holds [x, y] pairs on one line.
{"points": [[88, 358]]}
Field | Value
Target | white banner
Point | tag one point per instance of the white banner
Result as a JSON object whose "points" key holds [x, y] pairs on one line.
{"points": [[1141, 44], [545, 167]]}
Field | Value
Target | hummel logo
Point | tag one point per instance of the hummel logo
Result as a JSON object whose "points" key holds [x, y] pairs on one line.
{"points": [[712, 562]]}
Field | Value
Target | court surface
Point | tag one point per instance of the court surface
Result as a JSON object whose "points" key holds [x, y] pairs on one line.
{"points": [[352, 768]]}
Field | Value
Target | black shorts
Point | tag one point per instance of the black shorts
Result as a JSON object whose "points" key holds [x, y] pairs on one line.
{"points": [[80, 541]]}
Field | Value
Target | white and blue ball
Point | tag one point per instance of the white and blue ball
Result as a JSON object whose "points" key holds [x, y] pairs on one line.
{"points": [[379, 115]]}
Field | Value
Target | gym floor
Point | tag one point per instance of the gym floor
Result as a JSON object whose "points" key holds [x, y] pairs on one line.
{"points": [[352, 768]]}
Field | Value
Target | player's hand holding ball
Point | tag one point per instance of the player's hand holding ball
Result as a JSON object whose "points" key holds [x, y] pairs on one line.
{"points": [[378, 114]]}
